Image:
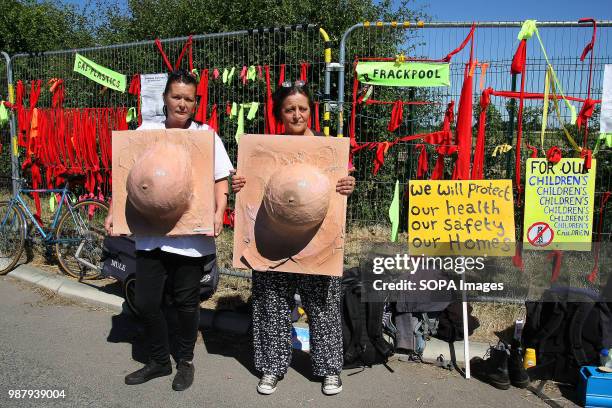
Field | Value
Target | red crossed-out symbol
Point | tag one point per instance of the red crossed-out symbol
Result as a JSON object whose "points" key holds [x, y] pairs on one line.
{"points": [[540, 234]]}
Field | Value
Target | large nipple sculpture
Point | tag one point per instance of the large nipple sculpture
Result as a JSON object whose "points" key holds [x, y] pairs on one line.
{"points": [[159, 185], [296, 197]]}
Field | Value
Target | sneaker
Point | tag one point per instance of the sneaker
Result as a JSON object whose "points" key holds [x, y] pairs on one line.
{"points": [[493, 370], [518, 375], [184, 376], [148, 372], [267, 384], [332, 384]]}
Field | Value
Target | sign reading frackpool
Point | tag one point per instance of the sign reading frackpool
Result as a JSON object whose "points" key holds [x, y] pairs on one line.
{"points": [[559, 204], [404, 74]]}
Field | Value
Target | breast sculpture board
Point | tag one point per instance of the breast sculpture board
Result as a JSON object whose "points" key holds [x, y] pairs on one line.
{"points": [[289, 217], [163, 182]]}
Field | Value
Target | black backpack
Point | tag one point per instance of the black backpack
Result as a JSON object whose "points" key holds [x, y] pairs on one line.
{"points": [[119, 262], [450, 323], [362, 325], [567, 328]]}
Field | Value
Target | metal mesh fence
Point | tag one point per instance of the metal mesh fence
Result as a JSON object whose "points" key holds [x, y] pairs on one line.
{"points": [[494, 45], [5, 136], [297, 50]]}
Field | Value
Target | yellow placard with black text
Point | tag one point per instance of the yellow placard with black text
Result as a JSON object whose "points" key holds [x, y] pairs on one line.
{"points": [[461, 217], [559, 200]]}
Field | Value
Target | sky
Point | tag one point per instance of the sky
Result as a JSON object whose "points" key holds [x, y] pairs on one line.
{"points": [[516, 10], [507, 10]]}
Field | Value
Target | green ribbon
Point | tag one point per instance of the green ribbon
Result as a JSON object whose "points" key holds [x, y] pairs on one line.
{"points": [[3, 114], [527, 30], [368, 93], [252, 73], [421, 74], [394, 212], [253, 110], [569, 105], [240, 128], [228, 75], [97, 73], [603, 137], [196, 74], [253, 107], [234, 110], [52, 203], [130, 115]]}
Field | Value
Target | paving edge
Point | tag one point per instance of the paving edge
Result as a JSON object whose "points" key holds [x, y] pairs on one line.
{"points": [[69, 288], [64, 286]]}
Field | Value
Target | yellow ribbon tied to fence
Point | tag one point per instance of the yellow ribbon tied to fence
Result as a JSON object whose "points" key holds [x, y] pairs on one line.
{"points": [[549, 88], [501, 149], [569, 105]]}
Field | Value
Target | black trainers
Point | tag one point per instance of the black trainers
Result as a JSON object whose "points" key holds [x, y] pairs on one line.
{"points": [[493, 370], [184, 376], [148, 372], [518, 375]]}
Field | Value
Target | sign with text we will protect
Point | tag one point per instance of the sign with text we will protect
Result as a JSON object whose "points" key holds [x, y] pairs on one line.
{"points": [[559, 201], [468, 217]]}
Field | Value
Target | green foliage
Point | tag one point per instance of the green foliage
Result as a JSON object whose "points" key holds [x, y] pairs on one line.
{"points": [[36, 26], [173, 18]]}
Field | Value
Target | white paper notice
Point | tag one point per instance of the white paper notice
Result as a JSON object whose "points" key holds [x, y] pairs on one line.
{"points": [[605, 119], [151, 90]]}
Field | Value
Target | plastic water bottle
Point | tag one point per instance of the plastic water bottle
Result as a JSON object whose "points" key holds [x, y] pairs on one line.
{"points": [[605, 359]]}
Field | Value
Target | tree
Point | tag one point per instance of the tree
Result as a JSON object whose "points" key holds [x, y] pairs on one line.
{"points": [[36, 26], [146, 19]]}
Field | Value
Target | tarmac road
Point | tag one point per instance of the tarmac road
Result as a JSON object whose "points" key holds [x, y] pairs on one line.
{"points": [[51, 343]]}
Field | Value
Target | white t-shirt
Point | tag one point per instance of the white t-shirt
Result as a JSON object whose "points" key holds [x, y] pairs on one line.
{"points": [[188, 245]]}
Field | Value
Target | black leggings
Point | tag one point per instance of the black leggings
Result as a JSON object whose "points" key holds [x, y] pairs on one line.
{"points": [[153, 268]]}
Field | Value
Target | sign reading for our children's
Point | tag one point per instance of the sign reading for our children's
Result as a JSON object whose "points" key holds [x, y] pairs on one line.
{"points": [[468, 217], [403, 74], [559, 202]]}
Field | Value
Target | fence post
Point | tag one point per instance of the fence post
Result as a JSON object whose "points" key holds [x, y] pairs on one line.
{"points": [[12, 124], [327, 86], [341, 77]]}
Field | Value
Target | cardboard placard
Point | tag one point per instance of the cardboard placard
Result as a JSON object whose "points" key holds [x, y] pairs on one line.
{"points": [[559, 201], [468, 217], [259, 243], [129, 145]]}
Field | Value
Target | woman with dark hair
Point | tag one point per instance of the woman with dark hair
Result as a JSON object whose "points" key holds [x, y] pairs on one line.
{"points": [[178, 259], [273, 292]]}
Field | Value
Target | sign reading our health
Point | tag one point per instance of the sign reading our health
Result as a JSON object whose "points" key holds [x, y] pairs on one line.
{"points": [[559, 202], [469, 217], [403, 74]]}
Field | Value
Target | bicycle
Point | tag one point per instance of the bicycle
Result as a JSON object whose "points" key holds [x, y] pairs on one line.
{"points": [[76, 233]]}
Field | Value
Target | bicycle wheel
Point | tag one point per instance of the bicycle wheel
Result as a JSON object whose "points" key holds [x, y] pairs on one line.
{"points": [[81, 232], [129, 293], [12, 236]]}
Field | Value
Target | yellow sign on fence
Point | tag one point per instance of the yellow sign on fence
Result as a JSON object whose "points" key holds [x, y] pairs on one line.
{"points": [[559, 205], [470, 217]]}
